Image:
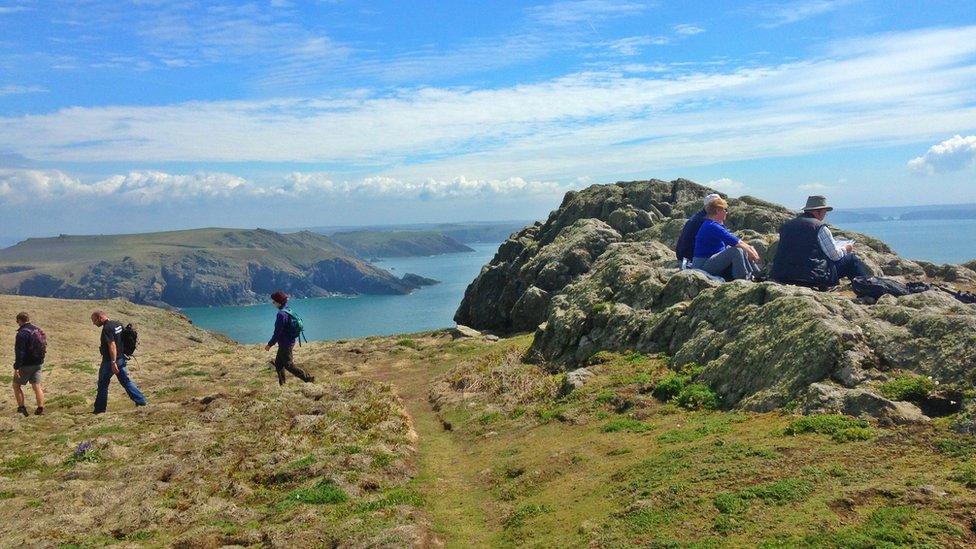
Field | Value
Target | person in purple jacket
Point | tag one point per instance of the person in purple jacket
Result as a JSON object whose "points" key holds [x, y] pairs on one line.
{"points": [[716, 249], [285, 338]]}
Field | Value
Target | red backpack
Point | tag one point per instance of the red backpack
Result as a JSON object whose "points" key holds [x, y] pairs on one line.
{"points": [[36, 346]]}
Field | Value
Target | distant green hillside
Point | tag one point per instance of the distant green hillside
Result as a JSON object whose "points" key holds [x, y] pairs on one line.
{"points": [[369, 244], [199, 267]]}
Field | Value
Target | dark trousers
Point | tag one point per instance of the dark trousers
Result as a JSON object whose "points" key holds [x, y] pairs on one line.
{"points": [[105, 377], [850, 266], [285, 361]]}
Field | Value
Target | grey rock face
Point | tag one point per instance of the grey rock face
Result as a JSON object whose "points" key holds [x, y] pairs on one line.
{"points": [[595, 276]]}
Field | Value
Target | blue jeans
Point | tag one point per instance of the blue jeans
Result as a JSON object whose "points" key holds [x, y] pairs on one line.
{"points": [[105, 377], [850, 266]]}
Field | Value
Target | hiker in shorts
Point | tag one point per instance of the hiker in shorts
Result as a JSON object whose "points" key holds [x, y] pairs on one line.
{"points": [[30, 345], [113, 363], [285, 337]]}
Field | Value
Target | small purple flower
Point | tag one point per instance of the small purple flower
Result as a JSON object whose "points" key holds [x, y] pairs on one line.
{"points": [[83, 449]]}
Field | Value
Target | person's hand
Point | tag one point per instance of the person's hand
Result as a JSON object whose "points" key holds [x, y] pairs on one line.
{"points": [[115, 367], [267, 347], [752, 254], [849, 248]]}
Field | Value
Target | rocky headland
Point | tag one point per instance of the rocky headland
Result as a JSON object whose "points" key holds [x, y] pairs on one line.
{"points": [[194, 268], [600, 274]]}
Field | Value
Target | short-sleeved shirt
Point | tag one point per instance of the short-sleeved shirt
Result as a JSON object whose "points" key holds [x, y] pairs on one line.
{"points": [[111, 331], [712, 238]]}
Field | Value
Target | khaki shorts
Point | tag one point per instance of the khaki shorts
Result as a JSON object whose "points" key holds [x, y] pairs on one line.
{"points": [[28, 374]]}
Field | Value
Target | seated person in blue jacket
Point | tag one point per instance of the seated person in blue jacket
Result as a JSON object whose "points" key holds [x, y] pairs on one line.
{"points": [[716, 249], [685, 247], [808, 255]]}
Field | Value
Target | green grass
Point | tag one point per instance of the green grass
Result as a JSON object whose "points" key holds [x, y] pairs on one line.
{"points": [[7, 494], [697, 396], [840, 427], [19, 464], [321, 493], [65, 401], [521, 514], [393, 498], [907, 387], [626, 425], [82, 367], [965, 474], [409, 343], [885, 527]]}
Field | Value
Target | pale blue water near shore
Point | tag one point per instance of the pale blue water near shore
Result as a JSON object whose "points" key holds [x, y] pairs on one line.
{"points": [[935, 240], [938, 241], [333, 318]]}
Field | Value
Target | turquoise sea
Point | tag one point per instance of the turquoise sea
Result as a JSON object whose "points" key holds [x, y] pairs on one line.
{"points": [[939, 241], [331, 318]]}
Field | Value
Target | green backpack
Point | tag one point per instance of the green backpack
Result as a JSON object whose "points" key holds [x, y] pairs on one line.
{"points": [[295, 328]]}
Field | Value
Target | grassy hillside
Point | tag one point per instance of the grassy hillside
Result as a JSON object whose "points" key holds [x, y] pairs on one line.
{"points": [[189, 268], [370, 244], [221, 456], [425, 440]]}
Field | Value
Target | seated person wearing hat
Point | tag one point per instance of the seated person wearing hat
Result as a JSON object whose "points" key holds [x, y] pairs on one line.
{"points": [[685, 247], [808, 255], [716, 249]]}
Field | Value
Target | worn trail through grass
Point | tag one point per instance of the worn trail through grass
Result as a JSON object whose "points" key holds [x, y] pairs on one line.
{"points": [[457, 503]]}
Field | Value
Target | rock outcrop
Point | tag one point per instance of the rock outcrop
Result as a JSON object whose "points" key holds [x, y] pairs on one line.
{"points": [[600, 275]]}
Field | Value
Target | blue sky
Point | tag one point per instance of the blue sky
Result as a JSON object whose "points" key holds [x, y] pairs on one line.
{"points": [[144, 115]]}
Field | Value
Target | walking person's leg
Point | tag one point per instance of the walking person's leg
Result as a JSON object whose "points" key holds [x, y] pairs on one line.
{"points": [[19, 395], [295, 370], [281, 361], [130, 386], [39, 396], [104, 378]]}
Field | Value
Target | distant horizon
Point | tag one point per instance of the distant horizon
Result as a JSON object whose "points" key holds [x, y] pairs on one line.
{"points": [[406, 225]]}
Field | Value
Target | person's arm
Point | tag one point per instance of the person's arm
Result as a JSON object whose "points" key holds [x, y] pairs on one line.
{"points": [[20, 348], [829, 247], [113, 355], [751, 252], [278, 328]]}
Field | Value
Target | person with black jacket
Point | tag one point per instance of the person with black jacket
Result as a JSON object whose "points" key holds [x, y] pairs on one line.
{"points": [[28, 360], [808, 255], [113, 363]]}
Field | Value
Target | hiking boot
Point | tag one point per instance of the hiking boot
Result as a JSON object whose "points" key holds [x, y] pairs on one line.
{"points": [[39, 411], [22, 410], [309, 379]]}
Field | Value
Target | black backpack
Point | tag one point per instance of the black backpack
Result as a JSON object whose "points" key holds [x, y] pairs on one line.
{"points": [[130, 338], [875, 287], [36, 347]]}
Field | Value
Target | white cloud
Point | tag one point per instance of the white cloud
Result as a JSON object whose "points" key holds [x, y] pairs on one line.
{"points": [[889, 89], [812, 187], [20, 186], [727, 185], [575, 12], [688, 30], [784, 14], [15, 90], [951, 155], [632, 45]]}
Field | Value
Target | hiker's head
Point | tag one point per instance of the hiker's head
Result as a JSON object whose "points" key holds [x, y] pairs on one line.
{"points": [[280, 298], [717, 209], [817, 207], [99, 318], [23, 318]]}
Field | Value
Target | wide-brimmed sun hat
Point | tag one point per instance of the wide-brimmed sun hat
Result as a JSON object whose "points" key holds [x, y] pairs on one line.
{"points": [[816, 202]]}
